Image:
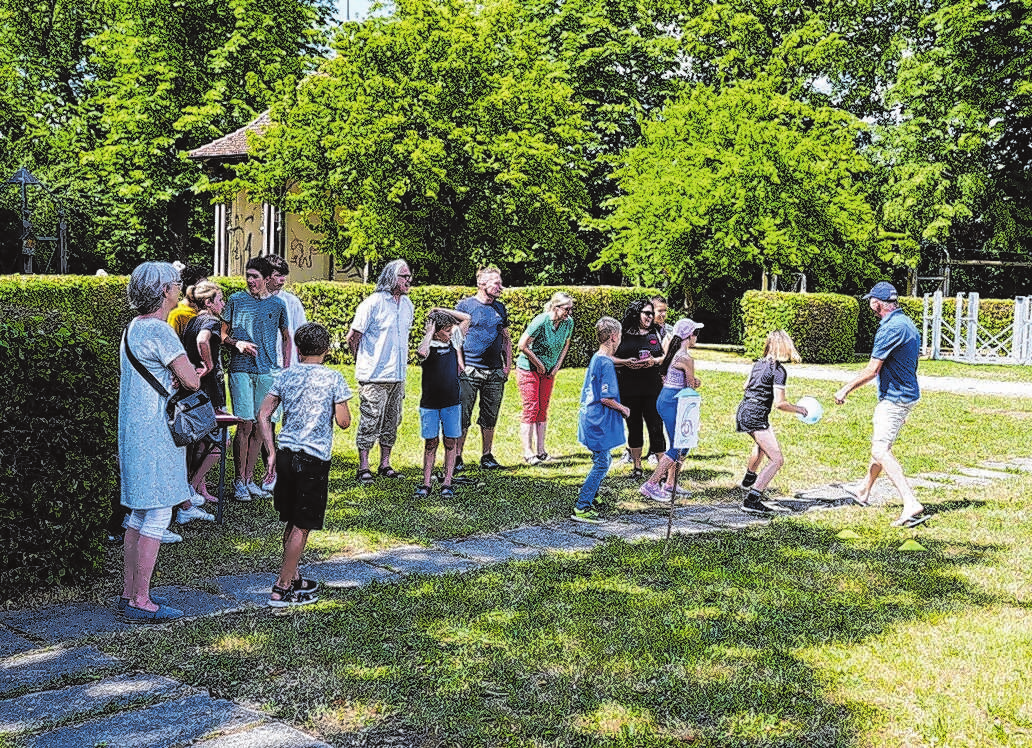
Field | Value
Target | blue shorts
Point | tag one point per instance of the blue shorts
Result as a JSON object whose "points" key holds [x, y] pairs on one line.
{"points": [[449, 419], [246, 392]]}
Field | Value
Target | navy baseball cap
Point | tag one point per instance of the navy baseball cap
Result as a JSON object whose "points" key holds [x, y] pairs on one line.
{"points": [[883, 291]]}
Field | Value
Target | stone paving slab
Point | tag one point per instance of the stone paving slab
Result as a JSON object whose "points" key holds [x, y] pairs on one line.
{"points": [[42, 667], [11, 643], [988, 474], [1015, 465], [271, 735], [414, 559], [347, 574], [609, 528], [167, 725], [730, 516], [488, 549], [679, 527], [550, 539], [60, 623], [965, 481], [35, 710]]}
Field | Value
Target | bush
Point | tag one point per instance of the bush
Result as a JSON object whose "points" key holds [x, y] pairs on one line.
{"points": [[823, 326], [333, 305], [58, 458]]}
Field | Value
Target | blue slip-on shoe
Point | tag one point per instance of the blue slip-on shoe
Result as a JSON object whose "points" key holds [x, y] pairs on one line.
{"points": [[161, 615], [123, 602]]}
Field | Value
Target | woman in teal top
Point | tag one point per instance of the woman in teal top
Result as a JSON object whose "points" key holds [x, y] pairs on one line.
{"points": [[542, 348]]}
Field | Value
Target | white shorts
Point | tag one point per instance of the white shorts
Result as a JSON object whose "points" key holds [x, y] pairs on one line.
{"points": [[150, 523], [888, 419]]}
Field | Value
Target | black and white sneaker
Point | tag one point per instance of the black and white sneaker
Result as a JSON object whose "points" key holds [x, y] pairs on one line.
{"points": [[488, 462], [756, 503]]}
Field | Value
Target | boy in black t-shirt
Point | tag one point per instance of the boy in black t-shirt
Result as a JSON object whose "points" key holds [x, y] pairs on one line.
{"points": [[440, 407]]}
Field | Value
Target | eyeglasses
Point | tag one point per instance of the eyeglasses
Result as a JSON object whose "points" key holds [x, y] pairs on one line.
{"points": [[404, 275], [648, 314]]}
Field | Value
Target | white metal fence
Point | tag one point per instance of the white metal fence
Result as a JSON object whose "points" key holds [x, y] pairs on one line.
{"points": [[966, 340]]}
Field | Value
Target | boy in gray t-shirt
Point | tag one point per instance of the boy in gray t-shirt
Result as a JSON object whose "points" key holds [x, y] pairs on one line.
{"points": [[313, 397]]}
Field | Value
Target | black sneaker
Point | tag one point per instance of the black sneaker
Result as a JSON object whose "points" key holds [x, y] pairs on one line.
{"points": [[460, 466], [748, 481], [756, 503], [753, 505], [488, 462]]}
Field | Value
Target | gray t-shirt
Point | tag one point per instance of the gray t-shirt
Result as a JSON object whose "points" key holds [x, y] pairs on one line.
{"points": [[308, 393], [258, 321]]}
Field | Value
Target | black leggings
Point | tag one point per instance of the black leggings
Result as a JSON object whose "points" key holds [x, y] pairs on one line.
{"points": [[643, 407]]}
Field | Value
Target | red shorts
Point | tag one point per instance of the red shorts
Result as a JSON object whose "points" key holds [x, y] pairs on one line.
{"points": [[536, 393]]}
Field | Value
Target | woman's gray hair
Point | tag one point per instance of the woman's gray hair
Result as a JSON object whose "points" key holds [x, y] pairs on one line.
{"points": [[388, 279], [147, 285]]}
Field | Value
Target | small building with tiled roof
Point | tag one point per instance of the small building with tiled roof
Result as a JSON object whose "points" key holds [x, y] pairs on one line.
{"points": [[245, 229]]}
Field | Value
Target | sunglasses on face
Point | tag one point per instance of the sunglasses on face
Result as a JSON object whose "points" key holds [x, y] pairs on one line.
{"points": [[648, 314]]}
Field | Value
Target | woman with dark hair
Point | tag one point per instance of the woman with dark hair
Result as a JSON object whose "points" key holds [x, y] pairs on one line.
{"points": [[637, 371], [153, 468]]}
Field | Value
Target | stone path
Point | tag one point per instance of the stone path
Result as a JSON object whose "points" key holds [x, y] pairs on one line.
{"points": [[959, 385], [57, 693]]}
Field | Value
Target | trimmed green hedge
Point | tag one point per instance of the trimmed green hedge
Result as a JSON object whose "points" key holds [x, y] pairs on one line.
{"points": [[823, 326], [994, 315], [59, 455], [101, 303]]}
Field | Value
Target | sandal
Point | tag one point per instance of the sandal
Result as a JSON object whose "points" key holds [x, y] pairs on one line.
{"points": [[637, 474], [447, 492], [388, 472], [366, 477], [422, 492], [288, 598], [306, 586]]}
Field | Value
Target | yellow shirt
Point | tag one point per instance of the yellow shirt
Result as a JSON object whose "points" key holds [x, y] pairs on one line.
{"points": [[180, 317]]}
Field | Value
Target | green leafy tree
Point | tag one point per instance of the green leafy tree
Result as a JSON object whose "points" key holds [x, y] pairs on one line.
{"points": [[104, 98], [441, 133], [742, 180]]}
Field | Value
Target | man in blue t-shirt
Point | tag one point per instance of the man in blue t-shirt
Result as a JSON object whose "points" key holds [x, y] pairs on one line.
{"points": [[897, 345], [488, 356], [257, 328]]}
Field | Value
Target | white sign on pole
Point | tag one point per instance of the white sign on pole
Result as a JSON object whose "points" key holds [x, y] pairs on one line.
{"points": [[687, 425]]}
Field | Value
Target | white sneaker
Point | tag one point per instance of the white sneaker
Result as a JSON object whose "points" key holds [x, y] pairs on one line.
{"points": [[269, 486], [186, 515], [240, 492], [195, 498], [652, 461], [257, 491], [170, 537]]}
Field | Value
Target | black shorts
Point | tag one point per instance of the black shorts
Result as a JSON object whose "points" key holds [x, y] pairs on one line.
{"points": [[751, 416], [302, 485]]}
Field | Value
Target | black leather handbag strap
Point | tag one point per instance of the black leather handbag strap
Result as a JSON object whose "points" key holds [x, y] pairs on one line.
{"points": [[148, 377]]}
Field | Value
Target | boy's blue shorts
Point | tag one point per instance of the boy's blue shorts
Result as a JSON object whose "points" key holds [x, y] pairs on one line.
{"points": [[449, 419]]}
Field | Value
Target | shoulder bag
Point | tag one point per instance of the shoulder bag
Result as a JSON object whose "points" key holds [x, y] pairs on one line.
{"points": [[190, 415]]}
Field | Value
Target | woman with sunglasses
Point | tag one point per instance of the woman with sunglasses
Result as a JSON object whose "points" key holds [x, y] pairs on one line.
{"points": [[638, 360]]}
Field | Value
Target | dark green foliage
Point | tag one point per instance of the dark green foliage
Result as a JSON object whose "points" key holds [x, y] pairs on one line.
{"points": [[58, 458], [333, 305], [823, 326]]}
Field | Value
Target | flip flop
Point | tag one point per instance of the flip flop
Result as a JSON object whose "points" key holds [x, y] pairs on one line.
{"points": [[912, 521]]}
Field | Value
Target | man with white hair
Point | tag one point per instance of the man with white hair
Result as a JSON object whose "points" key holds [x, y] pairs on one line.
{"points": [[378, 338], [897, 345]]}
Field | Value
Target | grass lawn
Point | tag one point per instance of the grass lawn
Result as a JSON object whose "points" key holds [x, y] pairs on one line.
{"points": [[783, 635]]}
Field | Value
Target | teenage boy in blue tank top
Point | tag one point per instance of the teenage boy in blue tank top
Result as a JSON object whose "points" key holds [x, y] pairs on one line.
{"points": [[440, 407], [601, 421], [897, 346]]}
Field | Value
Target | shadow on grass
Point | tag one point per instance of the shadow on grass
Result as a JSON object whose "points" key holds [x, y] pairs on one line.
{"points": [[614, 647]]}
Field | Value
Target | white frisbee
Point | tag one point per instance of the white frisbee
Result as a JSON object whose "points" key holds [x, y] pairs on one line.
{"points": [[814, 411]]}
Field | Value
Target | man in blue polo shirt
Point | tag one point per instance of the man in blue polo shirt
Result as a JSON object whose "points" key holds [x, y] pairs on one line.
{"points": [[897, 345]]}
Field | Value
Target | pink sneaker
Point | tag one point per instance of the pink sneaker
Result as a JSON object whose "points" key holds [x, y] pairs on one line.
{"points": [[654, 491]]}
